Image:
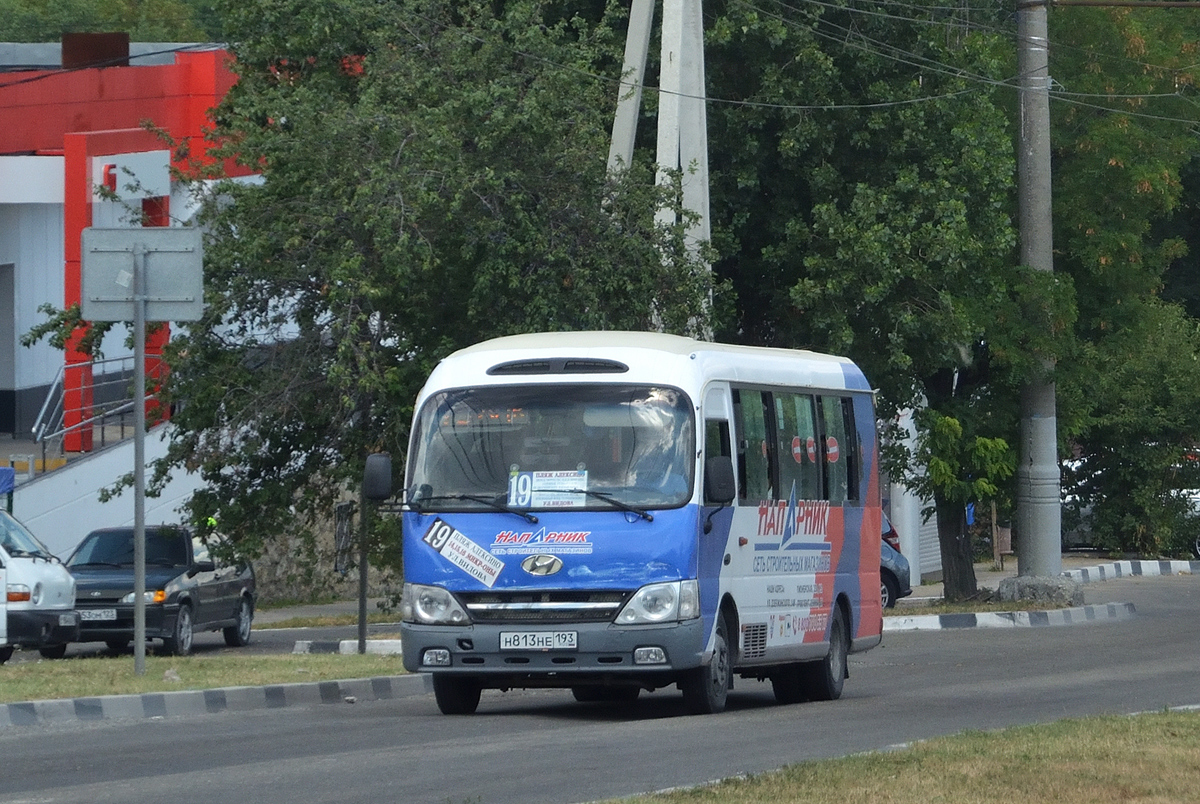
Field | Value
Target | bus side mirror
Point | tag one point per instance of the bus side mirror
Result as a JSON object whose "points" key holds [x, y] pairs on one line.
{"points": [[377, 478], [719, 486]]}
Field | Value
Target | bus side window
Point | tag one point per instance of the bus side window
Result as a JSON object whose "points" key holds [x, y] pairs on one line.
{"points": [[796, 437], [755, 445], [841, 449], [716, 440]]}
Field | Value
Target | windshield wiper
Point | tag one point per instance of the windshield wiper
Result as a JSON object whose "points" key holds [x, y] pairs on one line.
{"points": [[614, 502], [491, 502], [97, 564]]}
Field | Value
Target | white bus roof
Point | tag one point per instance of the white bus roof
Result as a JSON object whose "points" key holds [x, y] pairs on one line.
{"points": [[650, 358]]}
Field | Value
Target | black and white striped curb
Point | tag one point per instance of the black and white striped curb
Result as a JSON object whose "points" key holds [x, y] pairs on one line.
{"points": [[383, 647], [186, 703], [1130, 569], [1072, 616], [1010, 619]]}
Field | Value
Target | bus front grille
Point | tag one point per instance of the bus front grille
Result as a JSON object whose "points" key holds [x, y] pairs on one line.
{"points": [[543, 607]]}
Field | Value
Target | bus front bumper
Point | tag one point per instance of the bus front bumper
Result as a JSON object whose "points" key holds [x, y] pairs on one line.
{"points": [[649, 655]]}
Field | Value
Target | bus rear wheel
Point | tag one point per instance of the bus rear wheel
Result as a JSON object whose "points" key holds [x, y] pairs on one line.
{"points": [[456, 696], [824, 679]]}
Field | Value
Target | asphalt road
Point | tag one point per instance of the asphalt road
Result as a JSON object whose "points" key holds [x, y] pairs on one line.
{"points": [[543, 747]]}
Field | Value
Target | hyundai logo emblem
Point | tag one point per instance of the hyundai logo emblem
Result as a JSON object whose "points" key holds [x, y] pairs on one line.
{"points": [[542, 565]]}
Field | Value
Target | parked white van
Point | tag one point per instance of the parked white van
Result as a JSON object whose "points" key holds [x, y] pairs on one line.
{"points": [[40, 597]]}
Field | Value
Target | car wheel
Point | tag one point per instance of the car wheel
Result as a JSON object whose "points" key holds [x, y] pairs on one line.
{"points": [[117, 645], [597, 694], [706, 688], [824, 678], [180, 641], [456, 696], [238, 635], [53, 651], [6, 653], [889, 590]]}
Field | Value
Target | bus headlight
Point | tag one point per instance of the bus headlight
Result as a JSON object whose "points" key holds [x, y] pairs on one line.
{"points": [[431, 605], [661, 603]]}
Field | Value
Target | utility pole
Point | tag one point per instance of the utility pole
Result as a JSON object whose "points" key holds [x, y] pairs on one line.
{"points": [[682, 113], [1039, 512]]}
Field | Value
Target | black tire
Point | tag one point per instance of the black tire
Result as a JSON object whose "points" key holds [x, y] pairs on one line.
{"points": [[6, 653], [824, 679], [180, 641], [706, 689], [238, 635], [597, 694], [117, 645], [788, 684], [456, 696], [53, 651], [889, 590]]}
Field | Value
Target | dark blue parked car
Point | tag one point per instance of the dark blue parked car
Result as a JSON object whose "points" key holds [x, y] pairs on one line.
{"points": [[187, 589], [894, 581]]}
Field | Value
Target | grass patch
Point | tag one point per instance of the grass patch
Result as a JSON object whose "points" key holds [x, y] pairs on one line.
{"points": [[326, 621], [84, 677], [1102, 760]]}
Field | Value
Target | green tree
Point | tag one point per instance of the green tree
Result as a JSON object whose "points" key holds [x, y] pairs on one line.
{"points": [[143, 20], [875, 222], [1124, 143], [432, 174]]}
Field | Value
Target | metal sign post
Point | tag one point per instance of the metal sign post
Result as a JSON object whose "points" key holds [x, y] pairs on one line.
{"points": [[144, 274]]}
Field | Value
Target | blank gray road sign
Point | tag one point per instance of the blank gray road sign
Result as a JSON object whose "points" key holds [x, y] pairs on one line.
{"points": [[174, 266]]}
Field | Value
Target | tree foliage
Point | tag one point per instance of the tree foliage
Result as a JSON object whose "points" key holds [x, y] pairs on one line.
{"points": [[144, 21], [1129, 397], [432, 174], [867, 195]]}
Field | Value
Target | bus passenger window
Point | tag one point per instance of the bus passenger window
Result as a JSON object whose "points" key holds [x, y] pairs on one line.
{"points": [[796, 437], [841, 445], [755, 446]]}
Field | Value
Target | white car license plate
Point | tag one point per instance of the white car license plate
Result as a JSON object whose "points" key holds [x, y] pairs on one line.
{"points": [[98, 614], [68, 619], [539, 640]]}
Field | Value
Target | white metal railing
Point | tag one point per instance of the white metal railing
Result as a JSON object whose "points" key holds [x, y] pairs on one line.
{"points": [[110, 414]]}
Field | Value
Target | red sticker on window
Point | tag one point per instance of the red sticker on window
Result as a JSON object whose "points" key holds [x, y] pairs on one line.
{"points": [[831, 449]]}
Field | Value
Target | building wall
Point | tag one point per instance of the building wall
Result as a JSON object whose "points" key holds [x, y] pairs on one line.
{"points": [[63, 506], [31, 259]]}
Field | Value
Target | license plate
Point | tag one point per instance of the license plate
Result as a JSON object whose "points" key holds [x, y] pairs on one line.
{"points": [[97, 614], [539, 640], [67, 620]]}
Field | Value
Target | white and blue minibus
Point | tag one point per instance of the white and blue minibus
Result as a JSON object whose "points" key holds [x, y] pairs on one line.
{"points": [[612, 512]]}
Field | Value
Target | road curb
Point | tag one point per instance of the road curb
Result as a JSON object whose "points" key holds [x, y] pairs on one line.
{"points": [[1132, 569], [153, 705], [381, 647], [1010, 619]]}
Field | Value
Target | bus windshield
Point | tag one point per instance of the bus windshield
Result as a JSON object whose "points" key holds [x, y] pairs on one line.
{"points": [[549, 447]]}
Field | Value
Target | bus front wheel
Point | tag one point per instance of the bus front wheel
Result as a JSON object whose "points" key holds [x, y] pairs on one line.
{"points": [[706, 689], [456, 696]]}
